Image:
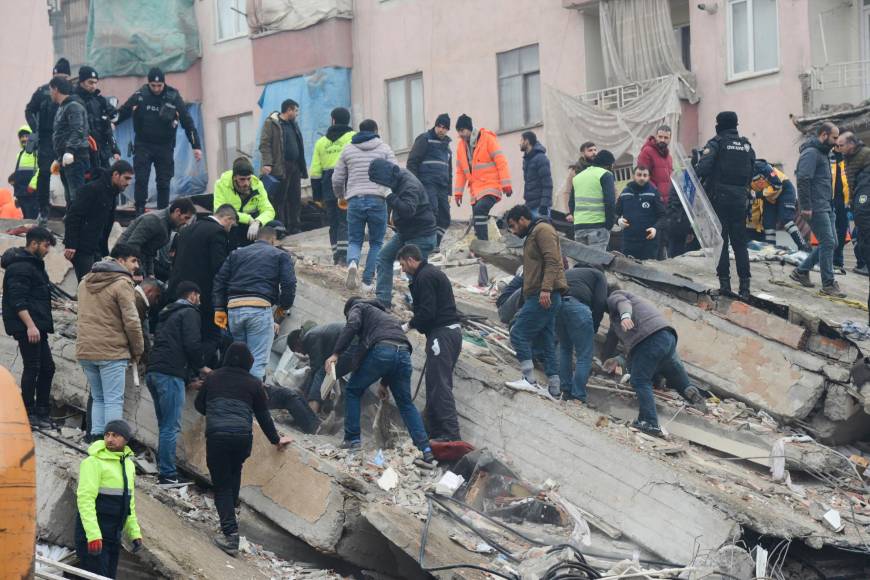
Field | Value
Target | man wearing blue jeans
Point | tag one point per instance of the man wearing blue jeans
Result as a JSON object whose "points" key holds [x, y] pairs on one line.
{"points": [[413, 218], [577, 323], [386, 355], [177, 353], [252, 280], [365, 199]]}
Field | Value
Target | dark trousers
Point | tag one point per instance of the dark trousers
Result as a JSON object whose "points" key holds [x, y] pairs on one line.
{"points": [[45, 157], [73, 178], [82, 264], [287, 198], [863, 249], [36, 375], [733, 218], [225, 454], [211, 334], [842, 229], [29, 205], [656, 355], [439, 200], [443, 346], [106, 563], [336, 218], [860, 261], [480, 215], [163, 159], [289, 400], [640, 249]]}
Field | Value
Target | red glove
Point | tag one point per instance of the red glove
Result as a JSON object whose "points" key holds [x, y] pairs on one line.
{"points": [[95, 548], [507, 190]]}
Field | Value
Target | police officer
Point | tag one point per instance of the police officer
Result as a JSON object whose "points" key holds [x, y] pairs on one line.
{"points": [[157, 109], [100, 115], [725, 168], [40, 113], [431, 161]]}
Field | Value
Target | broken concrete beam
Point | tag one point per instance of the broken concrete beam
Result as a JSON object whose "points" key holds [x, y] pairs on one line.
{"points": [[840, 404], [763, 324], [838, 349]]}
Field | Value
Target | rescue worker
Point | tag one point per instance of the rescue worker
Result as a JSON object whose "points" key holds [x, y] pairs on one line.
{"points": [[857, 159], [779, 203], [436, 317], [431, 161], [157, 109], [25, 171], [588, 151], [282, 154], [327, 150], [577, 321], [482, 166], [641, 215], [240, 188], [840, 203], [861, 210], [106, 500], [100, 115], [150, 232], [70, 137], [594, 201], [317, 342], [537, 178], [40, 113], [726, 167]]}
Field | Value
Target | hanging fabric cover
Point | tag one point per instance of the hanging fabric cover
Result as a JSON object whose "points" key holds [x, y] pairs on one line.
{"points": [[266, 16]]}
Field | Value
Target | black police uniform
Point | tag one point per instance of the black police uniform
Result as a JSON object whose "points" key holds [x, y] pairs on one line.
{"points": [[100, 115], [40, 112]]}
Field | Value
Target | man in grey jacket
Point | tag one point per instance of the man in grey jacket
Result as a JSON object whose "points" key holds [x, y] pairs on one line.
{"points": [[366, 203], [815, 192], [70, 137], [151, 231], [650, 344]]}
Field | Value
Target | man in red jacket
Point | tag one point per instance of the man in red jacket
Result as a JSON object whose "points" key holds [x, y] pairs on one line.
{"points": [[657, 157]]}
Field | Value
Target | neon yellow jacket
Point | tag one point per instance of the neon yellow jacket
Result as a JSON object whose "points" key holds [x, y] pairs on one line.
{"points": [[255, 207], [100, 493], [326, 154]]}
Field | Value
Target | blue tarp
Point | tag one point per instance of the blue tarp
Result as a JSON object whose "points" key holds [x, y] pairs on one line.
{"points": [[317, 94], [191, 177]]}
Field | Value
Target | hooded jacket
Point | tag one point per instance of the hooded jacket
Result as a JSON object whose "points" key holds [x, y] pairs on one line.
{"points": [[589, 286], [646, 317], [148, 233], [371, 323], [327, 150], [434, 303], [88, 222], [481, 164], [105, 495], [538, 180], [255, 206], [258, 270], [660, 166], [25, 287], [319, 343], [25, 169], [412, 214], [177, 347], [108, 322], [71, 129], [272, 146], [542, 260], [643, 208], [351, 175], [813, 176], [202, 248]]}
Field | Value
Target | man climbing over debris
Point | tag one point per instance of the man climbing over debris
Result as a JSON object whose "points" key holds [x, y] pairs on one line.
{"points": [[151, 231], [650, 345], [317, 342], [577, 321]]}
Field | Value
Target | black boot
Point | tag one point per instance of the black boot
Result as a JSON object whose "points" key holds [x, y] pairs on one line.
{"points": [[725, 287], [743, 292], [229, 544]]}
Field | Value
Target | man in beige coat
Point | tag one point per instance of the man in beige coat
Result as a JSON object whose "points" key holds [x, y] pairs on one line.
{"points": [[109, 333]]}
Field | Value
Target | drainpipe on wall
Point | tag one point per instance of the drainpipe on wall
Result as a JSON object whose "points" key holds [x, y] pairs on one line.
{"points": [[806, 93]]}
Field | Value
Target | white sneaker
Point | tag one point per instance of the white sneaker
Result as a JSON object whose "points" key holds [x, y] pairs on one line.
{"points": [[352, 282], [367, 289], [523, 385]]}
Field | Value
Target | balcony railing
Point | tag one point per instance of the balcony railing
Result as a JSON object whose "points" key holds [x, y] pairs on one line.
{"points": [[836, 83], [620, 96]]}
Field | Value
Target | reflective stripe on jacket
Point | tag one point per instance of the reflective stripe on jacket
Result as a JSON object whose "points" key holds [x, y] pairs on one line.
{"points": [[106, 491], [841, 166], [257, 207], [485, 170], [589, 196]]}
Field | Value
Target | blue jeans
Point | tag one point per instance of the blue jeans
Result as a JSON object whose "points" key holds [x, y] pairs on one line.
{"points": [[386, 258], [254, 325], [168, 394], [823, 224], [534, 323], [107, 381], [576, 336], [361, 211], [656, 354], [394, 366]]}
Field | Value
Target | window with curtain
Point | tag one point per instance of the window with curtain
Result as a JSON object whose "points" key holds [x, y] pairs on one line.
{"points": [[753, 37], [237, 139], [405, 110], [519, 88], [231, 22]]}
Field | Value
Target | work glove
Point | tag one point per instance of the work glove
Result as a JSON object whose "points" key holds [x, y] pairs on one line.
{"points": [[137, 545], [623, 223], [458, 200], [92, 143], [95, 547], [280, 314], [650, 233], [406, 327], [507, 190], [220, 319], [253, 230], [68, 159]]}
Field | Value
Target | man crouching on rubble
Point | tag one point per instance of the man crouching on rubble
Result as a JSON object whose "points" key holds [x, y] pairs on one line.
{"points": [[650, 344], [385, 354]]}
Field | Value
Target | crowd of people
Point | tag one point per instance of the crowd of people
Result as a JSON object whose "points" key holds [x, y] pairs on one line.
{"points": [[192, 301]]}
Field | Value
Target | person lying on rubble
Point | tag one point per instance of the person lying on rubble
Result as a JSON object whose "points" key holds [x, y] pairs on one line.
{"points": [[230, 397], [106, 501], [385, 354], [317, 342], [650, 344], [577, 323]]}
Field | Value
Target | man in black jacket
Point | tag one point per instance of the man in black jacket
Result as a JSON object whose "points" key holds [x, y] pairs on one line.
{"points": [[27, 318], [157, 109], [317, 343], [537, 177], [150, 232], [229, 398], [283, 157], [176, 355], [412, 216], [577, 321], [90, 218], [436, 317], [200, 251], [40, 113], [100, 115], [431, 161], [70, 137], [386, 355]]}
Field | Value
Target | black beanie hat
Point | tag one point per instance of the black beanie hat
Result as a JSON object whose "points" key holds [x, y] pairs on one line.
{"points": [[119, 427], [242, 166], [726, 120], [464, 122], [238, 355], [443, 120], [61, 67], [341, 116], [155, 75], [604, 159], [87, 72]]}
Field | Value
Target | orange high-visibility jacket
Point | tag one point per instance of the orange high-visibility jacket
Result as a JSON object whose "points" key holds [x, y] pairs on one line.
{"points": [[486, 170]]}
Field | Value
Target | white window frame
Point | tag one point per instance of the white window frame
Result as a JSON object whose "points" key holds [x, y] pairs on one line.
{"points": [[729, 33], [527, 122], [226, 161], [409, 109], [217, 22]]}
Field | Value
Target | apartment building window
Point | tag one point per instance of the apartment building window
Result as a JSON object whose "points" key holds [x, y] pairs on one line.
{"points": [[237, 138], [753, 37], [519, 88], [405, 110], [231, 22]]}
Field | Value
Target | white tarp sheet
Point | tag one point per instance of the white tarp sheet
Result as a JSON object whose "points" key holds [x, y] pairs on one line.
{"points": [[265, 16]]}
